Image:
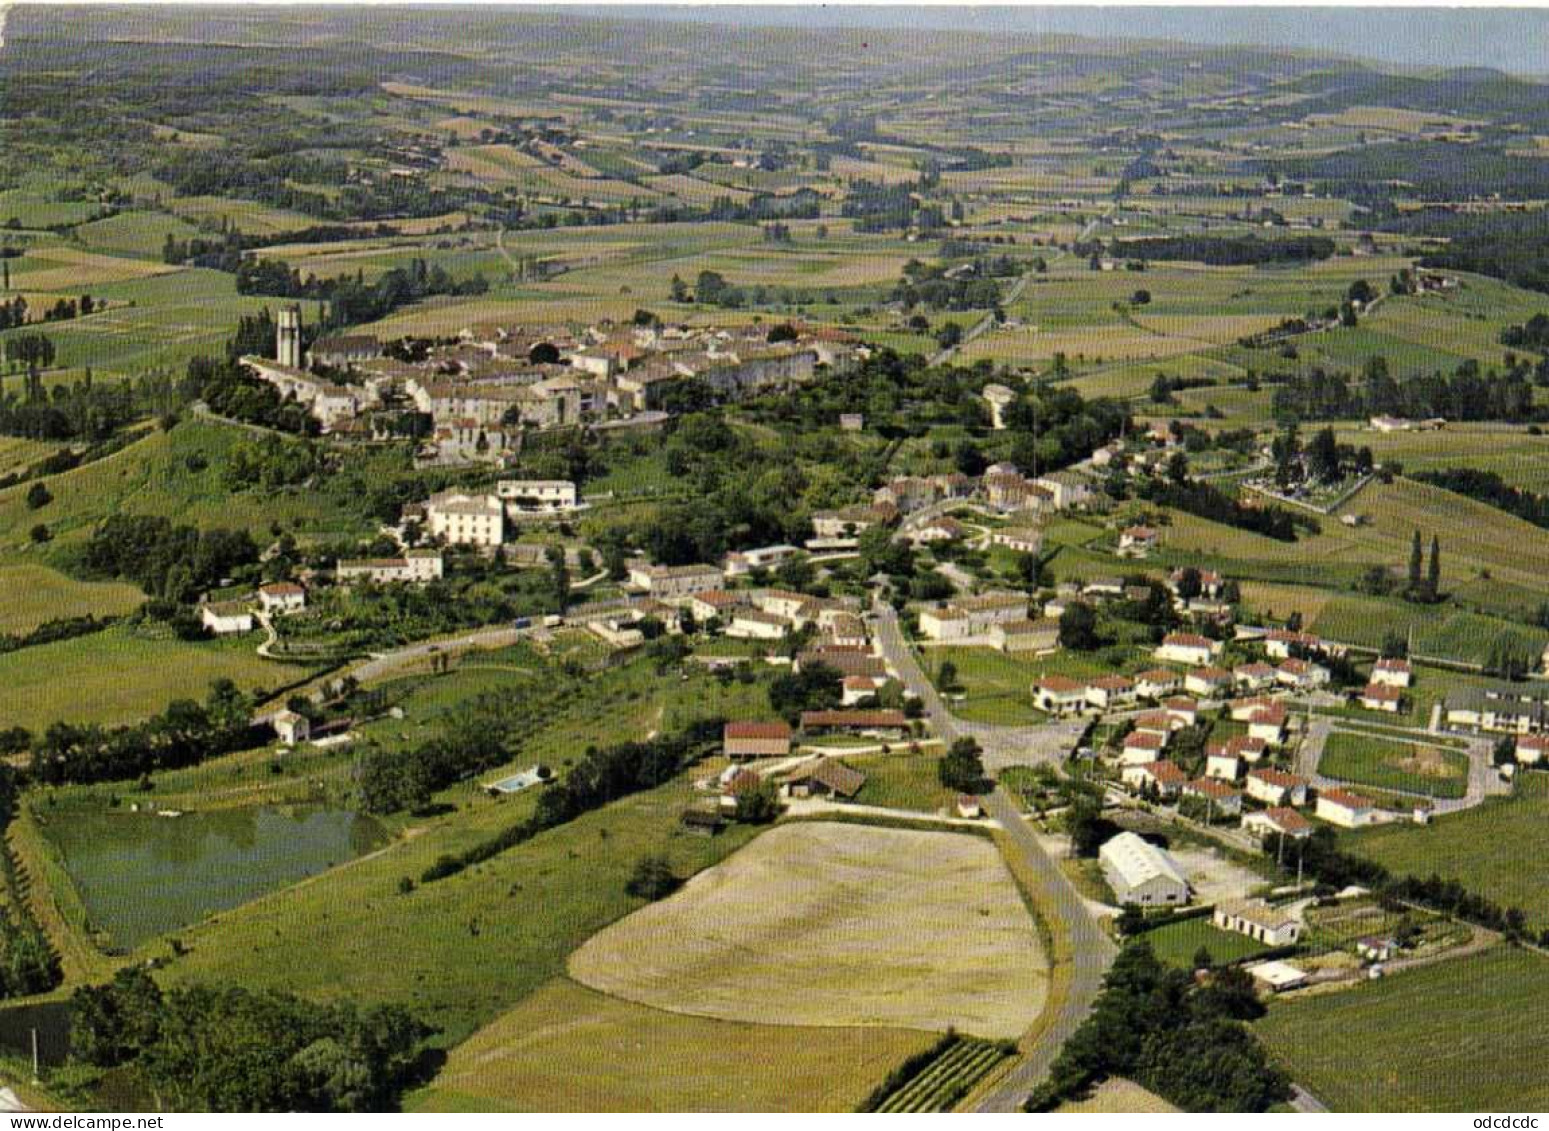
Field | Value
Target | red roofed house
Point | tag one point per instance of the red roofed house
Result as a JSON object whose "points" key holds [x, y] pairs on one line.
{"points": [[1138, 540], [1109, 691], [1207, 681], [1381, 697], [1224, 801], [282, 597], [1276, 787], [1157, 682], [1183, 711], [1285, 822], [1187, 648], [1058, 695], [1142, 746], [1392, 673], [756, 740], [1268, 723], [1531, 748], [1347, 810], [1165, 777], [866, 722]]}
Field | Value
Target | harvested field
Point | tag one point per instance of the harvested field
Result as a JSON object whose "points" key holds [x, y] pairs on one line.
{"points": [[567, 1048], [829, 924]]}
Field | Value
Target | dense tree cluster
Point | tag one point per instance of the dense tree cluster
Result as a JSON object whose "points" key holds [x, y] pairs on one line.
{"points": [[226, 1048], [1467, 394], [1156, 1025], [1209, 502], [1222, 251], [230, 389], [175, 561]]}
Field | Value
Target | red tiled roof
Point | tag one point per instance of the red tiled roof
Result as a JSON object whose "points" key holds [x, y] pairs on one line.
{"points": [[744, 729]]}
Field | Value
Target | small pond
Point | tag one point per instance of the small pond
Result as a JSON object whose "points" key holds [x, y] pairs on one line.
{"points": [[143, 874]]}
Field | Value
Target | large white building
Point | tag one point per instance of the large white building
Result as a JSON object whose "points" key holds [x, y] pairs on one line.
{"points": [[415, 566], [461, 519], [536, 496], [1141, 873]]}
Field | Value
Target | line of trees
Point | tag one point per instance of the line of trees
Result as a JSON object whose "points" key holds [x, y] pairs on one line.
{"points": [[28, 964], [1488, 487], [351, 300], [185, 734], [602, 775], [1209, 502], [1220, 251]]}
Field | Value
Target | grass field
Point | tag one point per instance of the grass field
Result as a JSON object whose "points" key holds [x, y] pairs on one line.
{"points": [[568, 1048], [1491, 849], [1116, 1096], [1387, 764], [1177, 943], [119, 676], [902, 781], [32, 594], [1453, 1036], [893, 928]]}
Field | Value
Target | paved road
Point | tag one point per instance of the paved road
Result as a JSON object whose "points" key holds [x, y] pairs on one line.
{"points": [[1090, 951], [1483, 780], [1003, 745]]}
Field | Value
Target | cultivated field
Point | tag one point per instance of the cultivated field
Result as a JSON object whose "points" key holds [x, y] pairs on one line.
{"points": [[1454, 1036], [1492, 849], [568, 1048], [32, 594], [824, 924]]}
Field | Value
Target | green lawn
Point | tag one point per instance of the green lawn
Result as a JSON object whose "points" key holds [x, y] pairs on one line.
{"points": [[1177, 943], [31, 594], [120, 676], [1387, 764], [1492, 849], [902, 781], [1460, 1035]]}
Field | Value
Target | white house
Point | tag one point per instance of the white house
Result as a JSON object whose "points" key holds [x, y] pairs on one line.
{"points": [[291, 727], [1141, 873], [1382, 697], [1223, 800], [1187, 648], [1258, 920], [1163, 776], [1207, 681], [1283, 821], [1137, 541], [1268, 724], [527, 496], [741, 562], [1109, 691], [1301, 675], [1276, 787], [1157, 682], [414, 566], [1181, 711], [1347, 810], [1221, 763], [1020, 539], [282, 597], [461, 519], [224, 618], [1058, 695], [1142, 746], [754, 624], [1392, 673], [666, 582], [1531, 748]]}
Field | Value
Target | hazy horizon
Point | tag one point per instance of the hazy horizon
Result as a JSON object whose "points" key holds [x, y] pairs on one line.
{"points": [[1508, 39]]}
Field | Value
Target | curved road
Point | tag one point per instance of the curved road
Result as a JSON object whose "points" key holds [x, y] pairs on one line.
{"points": [[1084, 945]]}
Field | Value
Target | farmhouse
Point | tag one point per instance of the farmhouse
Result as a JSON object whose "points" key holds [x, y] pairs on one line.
{"points": [[756, 625], [226, 617], [891, 723], [1138, 541], [1059, 695], [1347, 810], [291, 727], [1259, 921], [746, 739], [1141, 873], [1025, 539], [1276, 787], [825, 778], [667, 582], [537, 496], [1282, 821], [1187, 648], [1040, 637], [1161, 777], [282, 597], [414, 566]]}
